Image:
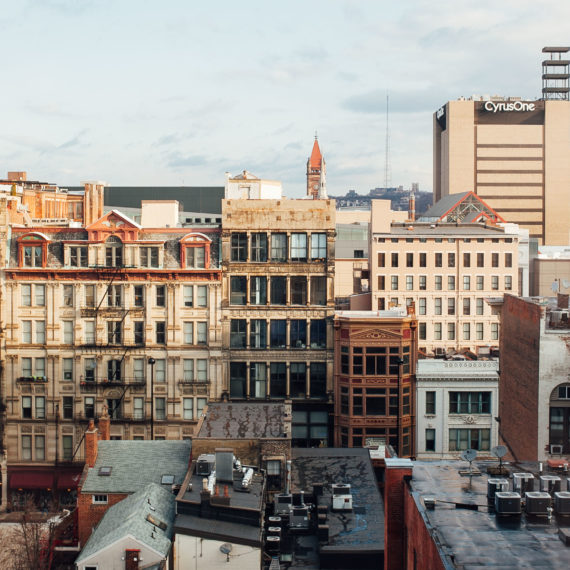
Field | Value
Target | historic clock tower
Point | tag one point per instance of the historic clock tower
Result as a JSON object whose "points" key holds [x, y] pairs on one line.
{"points": [[316, 173]]}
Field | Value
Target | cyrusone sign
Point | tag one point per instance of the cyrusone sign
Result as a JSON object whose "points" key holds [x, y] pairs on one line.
{"points": [[516, 106]]}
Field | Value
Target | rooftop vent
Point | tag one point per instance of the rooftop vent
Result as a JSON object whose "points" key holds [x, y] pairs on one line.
{"points": [[205, 464], [537, 503], [341, 497], [562, 503], [105, 471], [167, 480], [282, 503], [495, 485], [523, 482], [225, 465], [507, 503], [550, 483]]}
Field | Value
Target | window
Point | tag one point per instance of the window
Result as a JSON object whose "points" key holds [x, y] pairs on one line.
{"points": [[188, 295], [138, 408], [318, 333], [409, 259], [27, 295], [188, 370], [278, 290], [450, 331], [257, 380], [115, 296], [68, 295], [238, 245], [494, 331], [258, 333], [149, 256], [394, 257], [202, 332], [26, 447], [438, 282], [466, 331], [139, 370], [494, 282], [375, 363], [114, 371], [480, 306], [430, 403], [160, 332], [32, 255], [278, 247], [200, 405], [439, 259], [27, 332], [437, 306], [114, 252], [466, 260], [99, 499], [160, 408], [451, 306], [160, 370], [188, 408], [138, 329], [437, 331], [319, 246], [67, 365], [409, 282], [68, 332], [381, 283], [430, 439], [466, 282], [298, 290], [26, 407], [39, 295], [451, 259], [318, 290], [195, 257], [89, 407], [480, 259], [376, 401], [67, 447], [422, 331], [508, 283], [479, 331], [258, 290], [508, 259], [423, 259], [298, 333], [89, 332], [318, 378], [40, 367], [40, 407], [188, 329], [278, 333], [238, 290], [67, 407], [278, 379], [259, 247], [469, 402], [494, 260], [394, 282], [78, 256], [202, 296], [358, 254], [90, 295], [480, 282], [161, 295], [238, 331], [422, 302], [466, 306], [381, 259], [460, 439], [40, 447], [298, 379], [423, 282], [89, 370], [237, 379], [451, 282], [298, 247], [114, 332]]}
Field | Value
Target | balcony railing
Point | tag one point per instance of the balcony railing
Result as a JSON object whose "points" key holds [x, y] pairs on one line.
{"points": [[38, 379], [106, 382]]}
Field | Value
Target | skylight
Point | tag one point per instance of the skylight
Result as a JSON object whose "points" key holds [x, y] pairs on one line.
{"points": [[105, 471], [167, 480]]}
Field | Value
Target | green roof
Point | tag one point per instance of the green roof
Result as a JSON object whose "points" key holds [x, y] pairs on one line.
{"points": [[129, 518], [135, 464]]}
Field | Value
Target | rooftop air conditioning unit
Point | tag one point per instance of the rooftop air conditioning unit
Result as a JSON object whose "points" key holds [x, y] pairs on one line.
{"points": [[550, 483], [562, 503], [299, 518], [282, 503], [523, 482], [205, 464], [507, 503], [555, 449], [537, 503], [495, 485], [341, 497]]}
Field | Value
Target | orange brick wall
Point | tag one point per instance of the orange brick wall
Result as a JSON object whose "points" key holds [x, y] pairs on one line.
{"points": [[89, 515]]}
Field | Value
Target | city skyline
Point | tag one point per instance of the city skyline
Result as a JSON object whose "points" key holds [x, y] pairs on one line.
{"points": [[147, 94]]}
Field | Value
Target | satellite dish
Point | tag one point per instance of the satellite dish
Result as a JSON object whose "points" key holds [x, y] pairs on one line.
{"points": [[499, 451], [469, 455], [226, 548]]}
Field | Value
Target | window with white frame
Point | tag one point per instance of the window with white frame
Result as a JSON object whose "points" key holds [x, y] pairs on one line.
{"points": [[200, 405], [40, 407], [40, 447], [139, 295], [40, 327], [139, 369], [188, 328], [202, 370], [480, 306], [68, 295], [78, 256], [115, 296], [437, 331], [67, 366], [90, 295], [188, 370], [26, 449], [278, 247], [494, 282], [479, 331], [40, 367], [318, 246], [114, 252], [438, 282], [27, 332], [68, 332], [422, 301], [298, 247], [26, 295], [160, 370], [409, 282], [99, 499], [188, 295], [202, 332], [466, 331], [188, 408], [196, 257], [202, 296], [149, 256], [508, 283], [138, 408], [160, 408], [494, 331], [450, 331]]}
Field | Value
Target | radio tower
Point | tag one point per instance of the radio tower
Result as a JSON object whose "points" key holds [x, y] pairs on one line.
{"points": [[387, 168]]}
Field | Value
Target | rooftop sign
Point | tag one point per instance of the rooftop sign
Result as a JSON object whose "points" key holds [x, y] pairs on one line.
{"points": [[517, 106]]}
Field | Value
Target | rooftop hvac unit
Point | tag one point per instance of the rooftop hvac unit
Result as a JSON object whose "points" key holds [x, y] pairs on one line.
{"points": [[205, 464], [225, 465], [299, 518], [550, 483], [282, 502], [507, 503], [273, 544], [523, 482], [537, 503], [562, 503], [555, 449], [495, 485], [341, 497]]}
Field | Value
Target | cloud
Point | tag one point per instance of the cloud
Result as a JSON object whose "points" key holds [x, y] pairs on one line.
{"points": [[178, 160], [74, 142], [412, 101]]}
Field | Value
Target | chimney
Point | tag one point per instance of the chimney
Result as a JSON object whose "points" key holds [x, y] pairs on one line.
{"points": [[132, 559], [91, 444], [412, 208], [105, 425], [20, 176]]}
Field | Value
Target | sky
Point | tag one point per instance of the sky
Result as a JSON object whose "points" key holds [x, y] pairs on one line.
{"points": [[178, 92]]}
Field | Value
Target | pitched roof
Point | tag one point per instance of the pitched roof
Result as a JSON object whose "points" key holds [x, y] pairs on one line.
{"points": [[443, 206], [129, 518], [135, 464], [316, 156]]}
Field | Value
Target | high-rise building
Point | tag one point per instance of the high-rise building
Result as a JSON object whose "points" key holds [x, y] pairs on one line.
{"points": [[513, 154]]}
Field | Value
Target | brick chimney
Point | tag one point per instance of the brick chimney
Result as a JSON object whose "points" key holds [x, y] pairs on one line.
{"points": [[132, 559], [91, 444], [105, 425]]}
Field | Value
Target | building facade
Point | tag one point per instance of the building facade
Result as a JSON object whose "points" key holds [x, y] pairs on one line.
{"points": [[277, 307], [457, 401], [376, 353], [447, 270], [511, 153]]}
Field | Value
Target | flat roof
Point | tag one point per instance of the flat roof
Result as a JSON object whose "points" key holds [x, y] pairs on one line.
{"points": [[414, 229], [475, 538]]}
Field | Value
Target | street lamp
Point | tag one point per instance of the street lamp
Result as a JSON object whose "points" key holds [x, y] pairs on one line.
{"points": [[151, 361]]}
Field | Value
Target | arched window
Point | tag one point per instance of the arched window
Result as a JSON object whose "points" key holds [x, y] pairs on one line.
{"points": [[195, 251], [113, 252], [560, 419], [32, 250]]}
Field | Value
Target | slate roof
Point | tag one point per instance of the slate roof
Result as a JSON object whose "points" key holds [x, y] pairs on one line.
{"points": [[135, 464], [129, 518], [443, 205], [243, 420]]}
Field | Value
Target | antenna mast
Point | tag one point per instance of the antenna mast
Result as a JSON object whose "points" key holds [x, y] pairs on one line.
{"points": [[387, 169]]}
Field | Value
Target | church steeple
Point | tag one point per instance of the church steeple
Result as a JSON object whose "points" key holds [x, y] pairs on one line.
{"points": [[316, 173]]}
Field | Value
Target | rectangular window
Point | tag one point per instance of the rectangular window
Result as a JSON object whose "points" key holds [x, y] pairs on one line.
{"points": [[90, 296], [480, 259], [259, 247], [394, 257], [160, 332], [188, 295], [188, 329], [451, 306], [461, 439], [381, 283], [494, 260], [114, 332], [257, 380], [188, 370], [202, 296], [238, 332], [469, 402], [138, 370], [508, 283], [278, 379], [439, 259], [114, 371], [480, 306], [298, 247], [278, 333], [238, 377], [480, 282], [319, 246], [479, 331], [318, 290], [67, 447], [89, 407], [430, 403], [258, 290], [200, 405], [161, 295], [202, 332], [494, 331], [68, 295], [26, 407], [238, 290], [27, 295], [67, 407], [89, 370], [27, 332], [40, 332], [318, 378], [438, 282], [298, 379], [238, 245], [422, 331], [450, 331], [409, 259], [430, 439], [466, 260], [160, 370], [39, 295], [298, 290], [437, 331], [160, 408], [318, 333], [409, 282], [32, 256], [196, 257], [298, 333], [89, 332], [40, 367], [258, 333], [422, 303], [40, 447], [466, 282], [423, 282], [495, 282], [67, 365], [508, 259], [78, 256], [451, 259], [423, 259], [68, 332], [188, 408], [466, 306], [40, 407], [466, 331], [451, 282], [138, 329], [394, 282], [149, 256], [115, 296], [437, 306], [26, 447], [278, 247], [139, 295], [138, 408], [381, 259]]}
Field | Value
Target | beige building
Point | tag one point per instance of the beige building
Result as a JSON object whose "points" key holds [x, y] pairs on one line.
{"points": [[277, 307], [550, 271], [447, 270], [511, 153]]}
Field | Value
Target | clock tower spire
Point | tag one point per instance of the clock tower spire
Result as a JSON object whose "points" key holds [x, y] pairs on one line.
{"points": [[316, 173]]}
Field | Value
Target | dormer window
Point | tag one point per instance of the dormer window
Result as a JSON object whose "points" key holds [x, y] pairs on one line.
{"points": [[195, 251], [149, 256], [113, 252], [32, 250]]}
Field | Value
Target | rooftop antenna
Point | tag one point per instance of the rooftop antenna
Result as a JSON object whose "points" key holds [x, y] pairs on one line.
{"points": [[499, 451], [387, 173]]}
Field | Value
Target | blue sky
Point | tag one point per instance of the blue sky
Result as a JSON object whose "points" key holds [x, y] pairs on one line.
{"points": [[140, 92]]}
